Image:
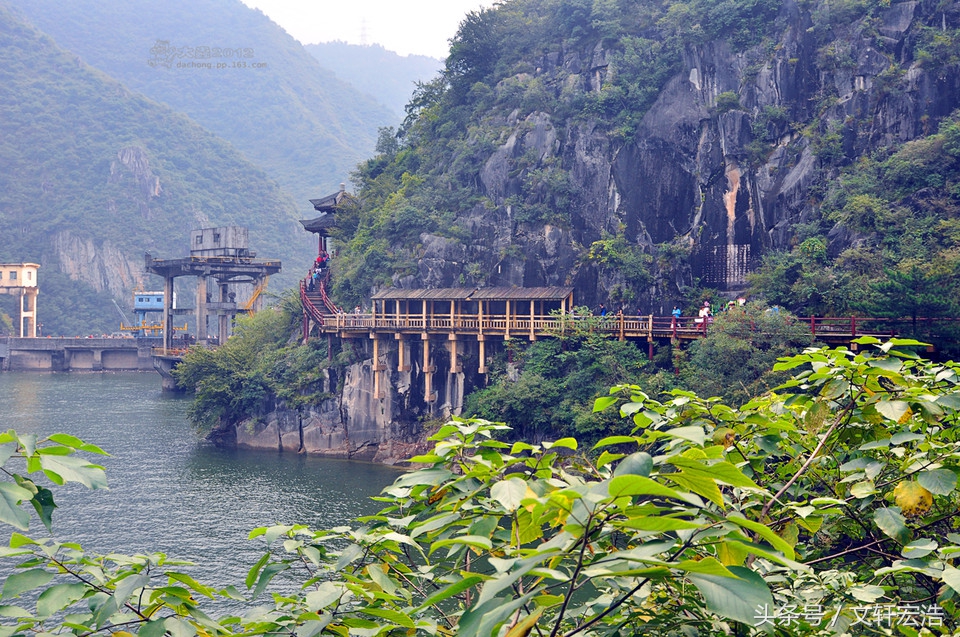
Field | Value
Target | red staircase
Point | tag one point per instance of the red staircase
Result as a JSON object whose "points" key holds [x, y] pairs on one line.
{"points": [[316, 303]]}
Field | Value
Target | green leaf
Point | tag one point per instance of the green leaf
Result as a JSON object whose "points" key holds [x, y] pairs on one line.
{"points": [[183, 578], [892, 409], [707, 566], [629, 485], [737, 598], [603, 402], [449, 591], [863, 489], [951, 577], [25, 581], [919, 548], [509, 493], [434, 523], [692, 433], [658, 523], [44, 505], [476, 541], [705, 486], [255, 569], [393, 616], [606, 458], [267, 574], [66, 439], [614, 440], [14, 611], [721, 471], [566, 443], [938, 481], [72, 469], [11, 496], [482, 619], [326, 594], [638, 464], [775, 540], [892, 524], [523, 628], [58, 597]]}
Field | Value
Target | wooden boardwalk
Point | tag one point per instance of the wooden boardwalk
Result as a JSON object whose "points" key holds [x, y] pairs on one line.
{"points": [[394, 318]]}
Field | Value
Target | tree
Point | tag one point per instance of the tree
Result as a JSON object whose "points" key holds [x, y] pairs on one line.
{"points": [[827, 503], [912, 293], [735, 359]]}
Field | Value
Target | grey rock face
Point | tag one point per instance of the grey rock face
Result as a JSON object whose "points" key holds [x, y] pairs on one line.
{"points": [[722, 166]]}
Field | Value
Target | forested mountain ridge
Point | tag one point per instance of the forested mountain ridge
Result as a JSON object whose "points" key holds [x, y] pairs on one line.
{"points": [[648, 152], [95, 175], [270, 98]]}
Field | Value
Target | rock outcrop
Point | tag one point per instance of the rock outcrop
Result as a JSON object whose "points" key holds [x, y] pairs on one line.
{"points": [[734, 152]]}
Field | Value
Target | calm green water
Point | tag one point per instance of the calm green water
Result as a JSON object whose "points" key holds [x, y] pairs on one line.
{"points": [[170, 491]]}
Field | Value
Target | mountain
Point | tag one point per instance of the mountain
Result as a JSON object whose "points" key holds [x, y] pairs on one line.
{"points": [[233, 71], [652, 154], [95, 175], [385, 75]]}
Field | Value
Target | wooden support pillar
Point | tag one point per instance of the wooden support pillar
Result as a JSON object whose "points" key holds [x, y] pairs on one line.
{"points": [[403, 365], [480, 325], [454, 363], [377, 367], [428, 395], [533, 334], [482, 342], [506, 324]]}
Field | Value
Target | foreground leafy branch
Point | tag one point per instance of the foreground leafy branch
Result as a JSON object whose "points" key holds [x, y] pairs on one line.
{"points": [[814, 509]]}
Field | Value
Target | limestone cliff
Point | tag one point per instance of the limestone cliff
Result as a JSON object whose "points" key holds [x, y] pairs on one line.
{"points": [[383, 422], [736, 150]]}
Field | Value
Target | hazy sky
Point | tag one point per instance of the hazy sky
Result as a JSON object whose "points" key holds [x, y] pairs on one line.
{"points": [[420, 27]]}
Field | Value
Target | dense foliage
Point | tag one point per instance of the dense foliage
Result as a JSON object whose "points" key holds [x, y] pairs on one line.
{"points": [[904, 207], [825, 506], [259, 366]]}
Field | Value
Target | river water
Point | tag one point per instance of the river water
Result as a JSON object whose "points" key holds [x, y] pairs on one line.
{"points": [[169, 490]]}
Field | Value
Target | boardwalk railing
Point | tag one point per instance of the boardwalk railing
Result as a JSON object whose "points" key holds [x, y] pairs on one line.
{"points": [[828, 329]]}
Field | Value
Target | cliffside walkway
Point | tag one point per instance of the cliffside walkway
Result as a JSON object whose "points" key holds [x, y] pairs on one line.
{"points": [[409, 327], [519, 313]]}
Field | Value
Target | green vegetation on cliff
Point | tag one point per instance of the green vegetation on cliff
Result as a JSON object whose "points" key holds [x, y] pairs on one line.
{"points": [[542, 102], [259, 367], [902, 207]]}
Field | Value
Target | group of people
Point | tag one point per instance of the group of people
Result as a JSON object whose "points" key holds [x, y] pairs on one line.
{"points": [[706, 311], [319, 265]]}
